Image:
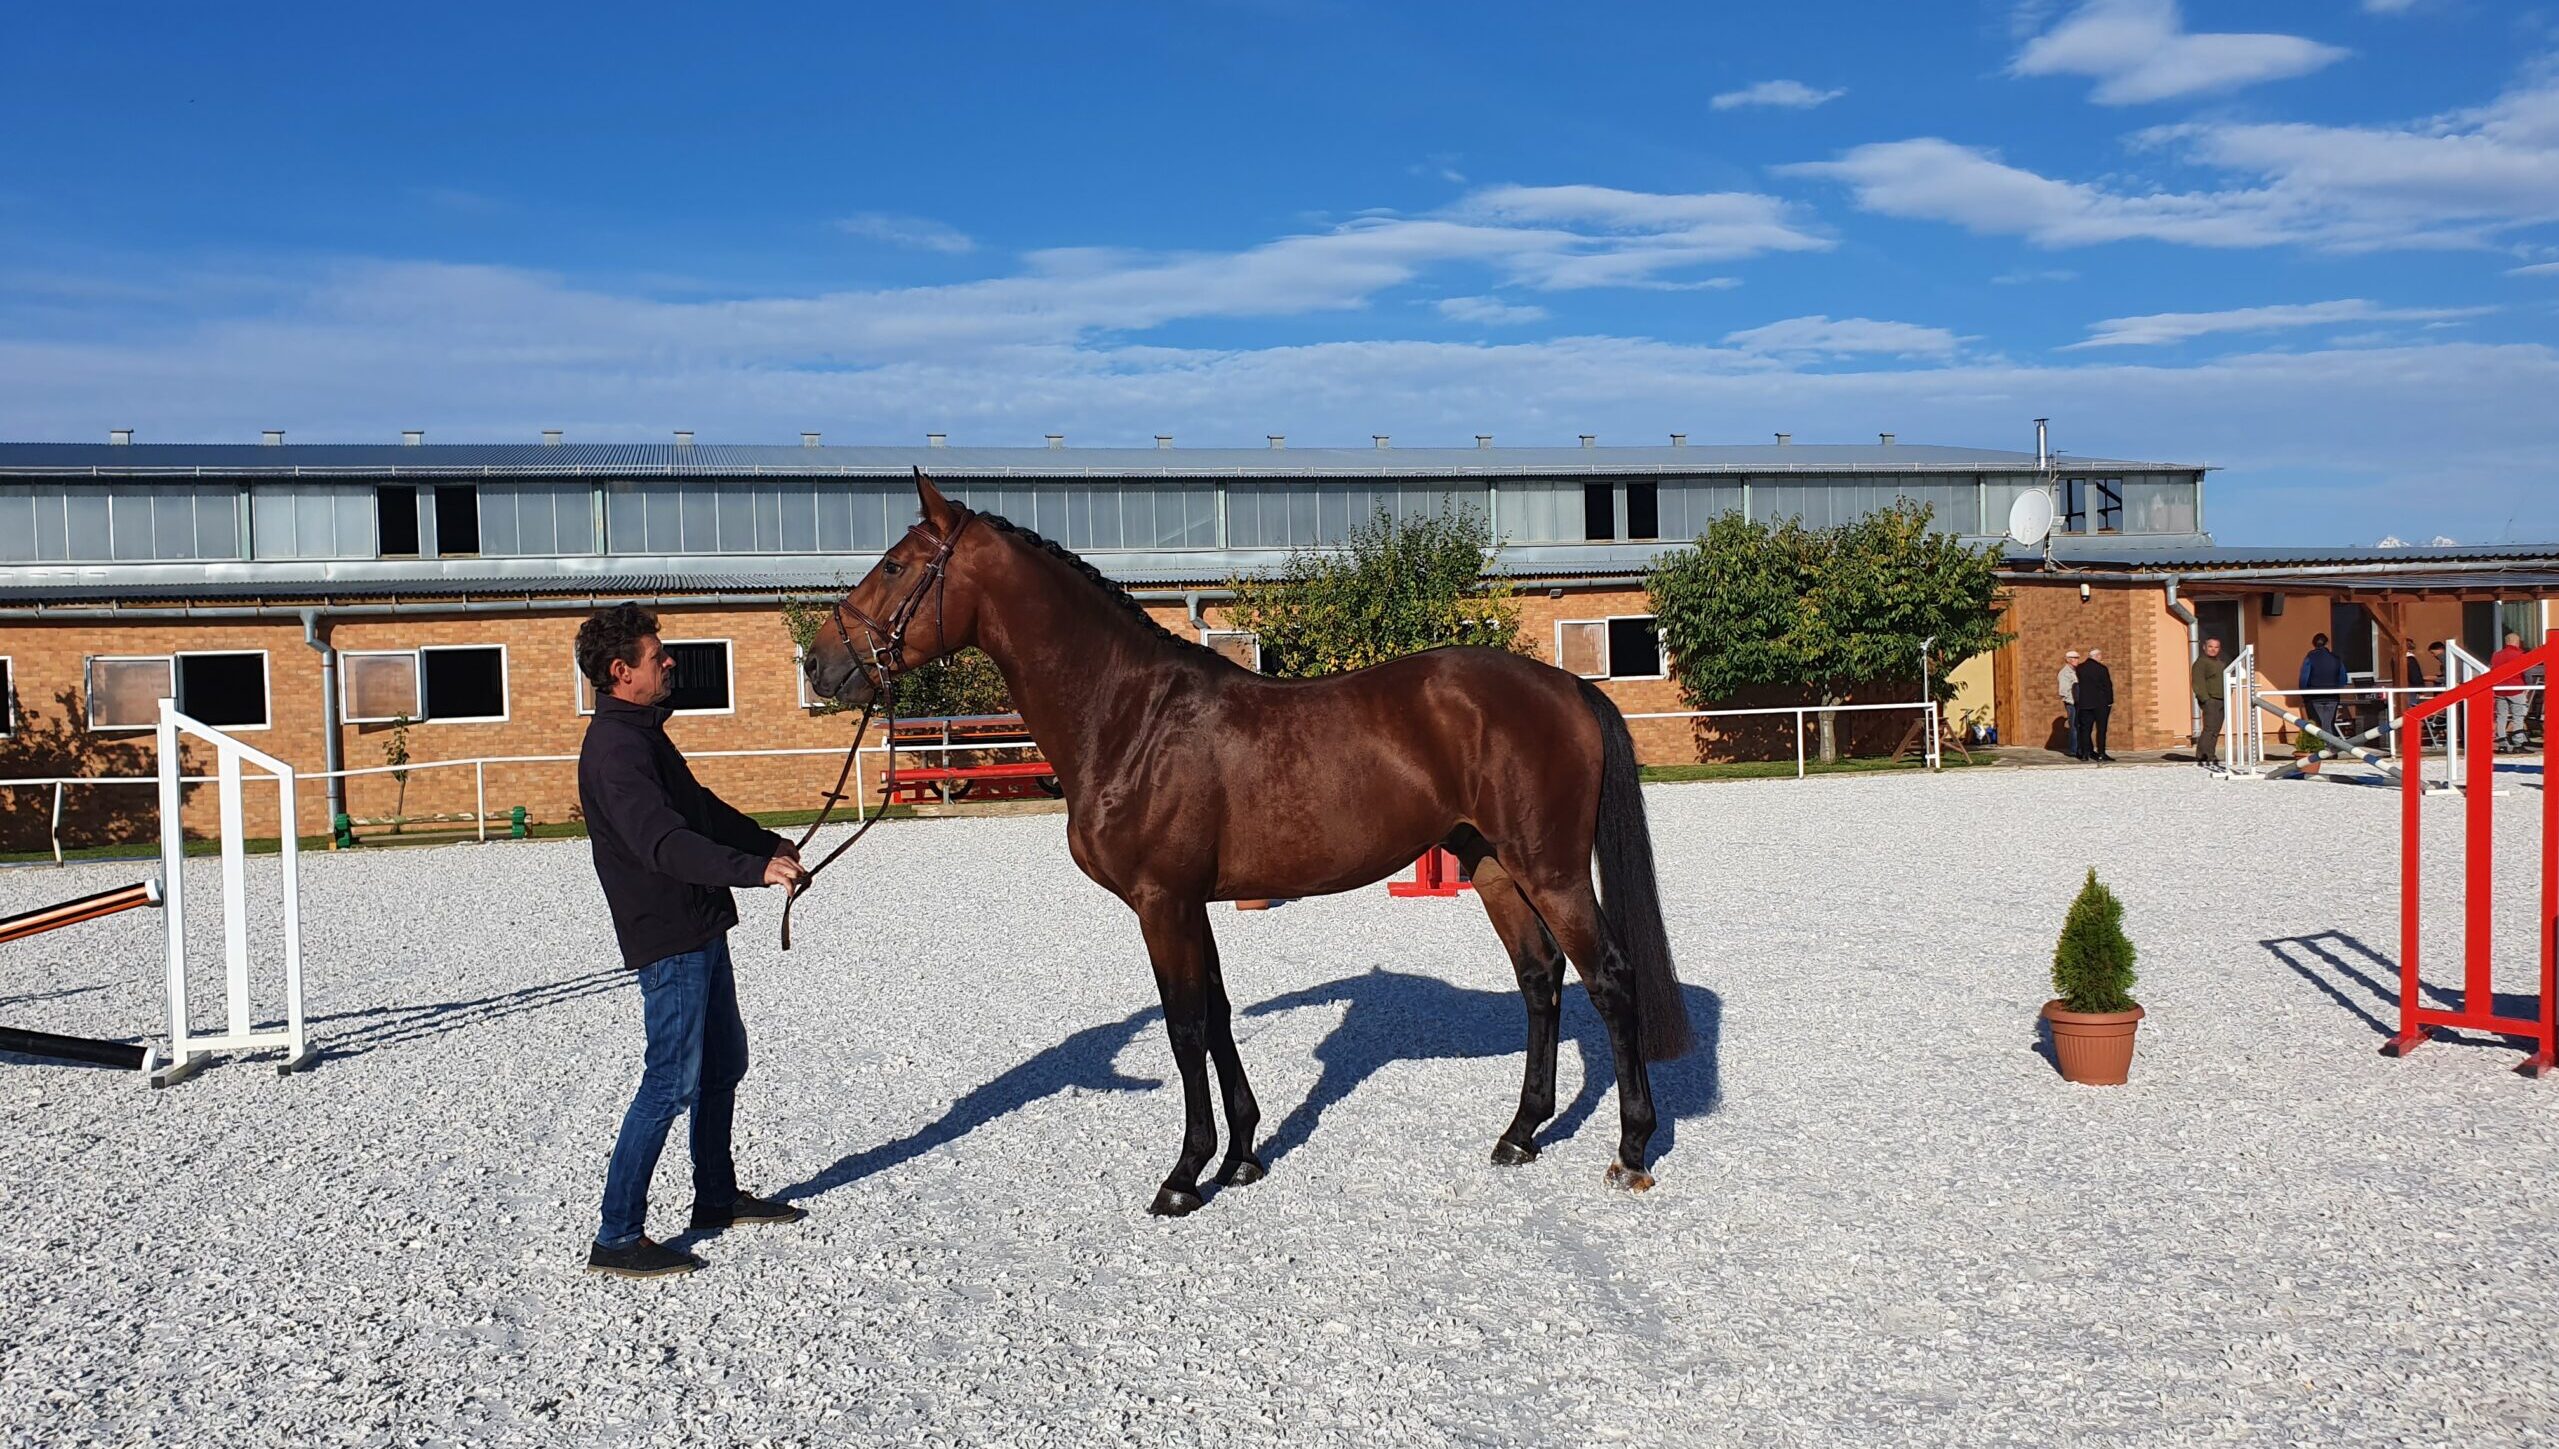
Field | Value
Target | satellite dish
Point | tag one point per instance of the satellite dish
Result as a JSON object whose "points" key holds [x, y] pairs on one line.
{"points": [[2030, 518]]}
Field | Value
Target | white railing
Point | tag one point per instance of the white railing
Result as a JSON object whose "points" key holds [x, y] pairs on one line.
{"points": [[1801, 710]]}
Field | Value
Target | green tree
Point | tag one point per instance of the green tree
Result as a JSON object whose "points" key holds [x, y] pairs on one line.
{"points": [[1394, 587], [2093, 963], [395, 753], [1831, 610], [963, 683]]}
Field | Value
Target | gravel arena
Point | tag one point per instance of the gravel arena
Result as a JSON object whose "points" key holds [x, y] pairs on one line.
{"points": [[1881, 1217]]}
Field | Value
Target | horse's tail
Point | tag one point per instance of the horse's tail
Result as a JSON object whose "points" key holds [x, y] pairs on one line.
{"points": [[1631, 901]]}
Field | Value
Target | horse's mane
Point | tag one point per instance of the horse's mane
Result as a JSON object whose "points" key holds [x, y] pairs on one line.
{"points": [[1109, 587]]}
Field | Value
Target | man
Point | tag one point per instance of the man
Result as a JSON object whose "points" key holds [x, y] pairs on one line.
{"points": [[2513, 701], [2214, 698], [667, 851], [2069, 685], [2096, 704], [2322, 669]]}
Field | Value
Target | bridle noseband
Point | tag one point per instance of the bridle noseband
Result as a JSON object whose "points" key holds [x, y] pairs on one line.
{"points": [[885, 662]]}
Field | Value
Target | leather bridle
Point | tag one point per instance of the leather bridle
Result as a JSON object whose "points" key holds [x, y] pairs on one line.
{"points": [[886, 654]]}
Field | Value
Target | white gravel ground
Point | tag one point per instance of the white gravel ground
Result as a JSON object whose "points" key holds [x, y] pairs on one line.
{"points": [[1881, 1217]]}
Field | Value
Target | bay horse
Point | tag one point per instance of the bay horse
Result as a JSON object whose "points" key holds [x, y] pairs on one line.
{"points": [[1190, 779]]}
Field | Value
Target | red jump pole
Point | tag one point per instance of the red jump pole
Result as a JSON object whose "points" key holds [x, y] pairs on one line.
{"points": [[1437, 873]]}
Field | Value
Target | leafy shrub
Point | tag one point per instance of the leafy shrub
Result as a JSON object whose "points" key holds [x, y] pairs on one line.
{"points": [[2093, 964]]}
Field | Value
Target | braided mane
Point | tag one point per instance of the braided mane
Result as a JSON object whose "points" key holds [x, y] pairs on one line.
{"points": [[1109, 587]]}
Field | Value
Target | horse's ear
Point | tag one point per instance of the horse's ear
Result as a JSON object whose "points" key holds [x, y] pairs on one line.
{"points": [[937, 509]]}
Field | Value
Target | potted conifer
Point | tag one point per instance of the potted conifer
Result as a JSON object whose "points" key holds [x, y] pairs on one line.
{"points": [[2094, 1017]]}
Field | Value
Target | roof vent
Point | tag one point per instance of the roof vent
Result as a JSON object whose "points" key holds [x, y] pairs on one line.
{"points": [[412, 437], [684, 437], [120, 436], [1590, 440], [1056, 440], [808, 440], [272, 437], [1679, 440], [1381, 440], [550, 437], [1278, 440], [937, 440], [1785, 439], [1884, 439], [1483, 440], [1163, 440]]}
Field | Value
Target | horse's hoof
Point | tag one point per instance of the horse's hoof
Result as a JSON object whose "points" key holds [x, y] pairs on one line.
{"points": [[1620, 1175], [1172, 1202], [1242, 1172], [1507, 1153]]}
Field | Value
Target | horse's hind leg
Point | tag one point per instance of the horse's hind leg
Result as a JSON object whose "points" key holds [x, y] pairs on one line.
{"points": [[1243, 1114], [1570, 909], [1540, 968]]}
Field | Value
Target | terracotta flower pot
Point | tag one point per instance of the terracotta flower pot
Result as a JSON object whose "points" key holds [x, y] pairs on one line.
{"points": [[2095, 1048], [2307, 764]]}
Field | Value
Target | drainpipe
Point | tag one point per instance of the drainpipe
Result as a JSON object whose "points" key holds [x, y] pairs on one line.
{"points": [[2194, 645], [332, 749], [1199, 621]]}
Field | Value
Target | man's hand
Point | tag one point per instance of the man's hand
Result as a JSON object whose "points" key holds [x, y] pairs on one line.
{"points": [[785, 871], [787, 851]]}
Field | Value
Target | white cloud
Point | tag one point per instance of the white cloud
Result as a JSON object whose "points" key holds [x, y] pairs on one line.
{"points": [[1785, 94], [2458, 180], [2140, 50], [1810, 337], [2165, 327], [1488, 311], [916, 232], [2389, 7], [2025, 276], [2537, 269]]}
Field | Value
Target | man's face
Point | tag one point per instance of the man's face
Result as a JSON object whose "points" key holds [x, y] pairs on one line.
{"points": [[651, 680], [2212, 648], [2071, 658]]}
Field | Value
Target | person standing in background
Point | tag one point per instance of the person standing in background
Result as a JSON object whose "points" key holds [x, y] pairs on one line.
{"points": [[2322, 669], [2068, 684], [2514, 701], [2213, 696], [2096, 703]]}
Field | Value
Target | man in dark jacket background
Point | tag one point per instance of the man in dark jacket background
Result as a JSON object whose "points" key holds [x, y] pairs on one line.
{"points": [[667, 851], [2322, 669], [2096, 705]]}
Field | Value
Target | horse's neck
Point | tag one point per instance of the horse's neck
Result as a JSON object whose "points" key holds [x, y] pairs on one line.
{"points": [[1073, 658]]}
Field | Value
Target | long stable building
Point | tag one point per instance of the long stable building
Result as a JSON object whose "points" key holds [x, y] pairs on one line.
{"points": [[442, 583]]}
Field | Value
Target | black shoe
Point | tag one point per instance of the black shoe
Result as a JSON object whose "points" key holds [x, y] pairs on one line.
{"points": [[640, 1258], [2106, 759], [746, 1209]]}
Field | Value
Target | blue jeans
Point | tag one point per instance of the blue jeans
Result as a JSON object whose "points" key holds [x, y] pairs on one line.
{"points": [[696, 1058]]}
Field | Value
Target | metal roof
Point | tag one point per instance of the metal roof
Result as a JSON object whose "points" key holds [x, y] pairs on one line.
{"points": [[254, 460], [2166, 553]]}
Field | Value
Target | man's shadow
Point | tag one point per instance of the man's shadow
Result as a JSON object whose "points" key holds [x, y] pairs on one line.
{"points": [[1390, 1016]]}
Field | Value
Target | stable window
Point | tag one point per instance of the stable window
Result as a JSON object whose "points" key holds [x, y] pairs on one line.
{"points": [[8, 700], [702, 681], [447, 683], [1599, 511], [457, 519], [2093, 501], [395, 519], [1239, 646], [1624, 646], [1643, 510], [227, 689]]}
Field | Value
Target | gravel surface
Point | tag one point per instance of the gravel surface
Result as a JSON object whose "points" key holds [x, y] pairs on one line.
{"points": [[1882, 1218]]}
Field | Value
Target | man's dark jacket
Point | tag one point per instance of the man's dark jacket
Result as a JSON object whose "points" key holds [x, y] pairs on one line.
{"points": [[2322, 669], [666, 849], [2096, 686]]}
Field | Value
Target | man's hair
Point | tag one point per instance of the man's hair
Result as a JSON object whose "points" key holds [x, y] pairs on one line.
{"points": [[2318, 641], [610, 634]]}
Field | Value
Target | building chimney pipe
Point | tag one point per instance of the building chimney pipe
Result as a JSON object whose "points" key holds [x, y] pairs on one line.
{"points": [[122, 437], [684, 437], [937, 440], [1884, 440], [1163, 440], [1785, 440], [2043, 449], [1277, 440], [808, 440], [412, 437], [1483, 440], [272, 437], [550, 437], [1590, 440], [1679, 440], [1057, 440], [1381, 440]]}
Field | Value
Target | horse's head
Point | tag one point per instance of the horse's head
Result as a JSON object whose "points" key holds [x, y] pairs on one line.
{"points": [[905, 613]]}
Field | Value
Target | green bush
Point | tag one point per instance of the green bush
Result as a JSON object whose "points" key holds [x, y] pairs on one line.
{"points": [[2307, 743], [2093, 965]]}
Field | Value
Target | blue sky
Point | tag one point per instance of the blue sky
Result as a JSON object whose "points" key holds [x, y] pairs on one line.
{"points": [[2316, 245]]}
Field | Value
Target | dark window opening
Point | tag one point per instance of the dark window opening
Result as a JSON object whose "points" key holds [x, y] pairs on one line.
{"points": [[1599, 510], [457, 519], [8, 700], [1634, 648], [227, 690], [2219, 619], [1643, 510], [2096, 503], [395, 520], [2110, 504], [462, 683], [2350, 634], [701, 675]]}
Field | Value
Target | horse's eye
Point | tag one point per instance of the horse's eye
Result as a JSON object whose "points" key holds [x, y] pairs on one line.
{"points": [[892, 567]]}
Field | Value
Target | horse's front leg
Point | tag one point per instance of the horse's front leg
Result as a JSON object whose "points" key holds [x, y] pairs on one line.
{"points": [[1177, 943]]}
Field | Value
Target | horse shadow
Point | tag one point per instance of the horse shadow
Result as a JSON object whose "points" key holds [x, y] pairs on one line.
{"points": [[1388, 1016], [2364, 984]]}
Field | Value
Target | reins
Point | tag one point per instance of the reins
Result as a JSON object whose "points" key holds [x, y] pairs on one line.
{"points": [[887, 653]]}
